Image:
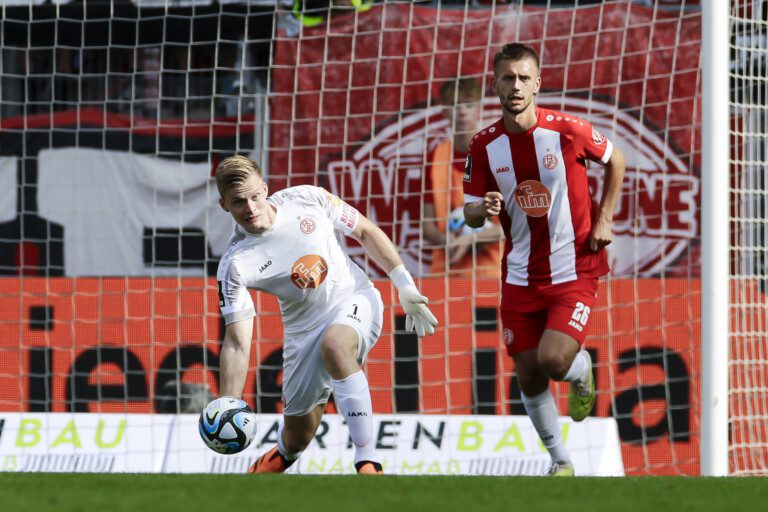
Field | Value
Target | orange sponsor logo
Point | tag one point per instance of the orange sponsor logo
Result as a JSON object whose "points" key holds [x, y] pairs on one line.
{"points": [[533, 198], [309, 271]]}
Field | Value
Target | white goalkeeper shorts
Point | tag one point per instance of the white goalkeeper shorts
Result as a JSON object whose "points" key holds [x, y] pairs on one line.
{"points": [[306, 382]]}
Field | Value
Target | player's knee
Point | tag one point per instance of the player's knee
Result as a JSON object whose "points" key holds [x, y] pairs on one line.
{"points": [[335, 351], [554, 365]]}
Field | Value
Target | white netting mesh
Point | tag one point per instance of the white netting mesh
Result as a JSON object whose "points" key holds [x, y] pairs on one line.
{"points": [[112, 117], [749, 342]]}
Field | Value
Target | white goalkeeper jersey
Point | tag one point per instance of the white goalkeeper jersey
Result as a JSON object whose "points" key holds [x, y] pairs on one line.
{"points": [[299, 259]]}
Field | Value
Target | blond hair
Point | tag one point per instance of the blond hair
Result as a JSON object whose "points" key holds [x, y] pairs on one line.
{"points": [[235, 170]]}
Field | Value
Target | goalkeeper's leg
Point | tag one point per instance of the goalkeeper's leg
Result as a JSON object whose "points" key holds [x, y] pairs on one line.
{"points": [[293, 436], [340, 349]]}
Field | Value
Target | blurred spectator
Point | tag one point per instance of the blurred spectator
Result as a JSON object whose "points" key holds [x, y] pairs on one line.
{"points": [[457, 250], [312, 13], [182, 397]]}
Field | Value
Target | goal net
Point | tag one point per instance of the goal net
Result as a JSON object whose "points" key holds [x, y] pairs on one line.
{"points": [[113, 117], [748, 369]]}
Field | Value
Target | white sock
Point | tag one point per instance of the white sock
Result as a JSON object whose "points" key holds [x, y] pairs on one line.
{"points": [[281, 446], [543, 413], [579, 368], [353, 399]]}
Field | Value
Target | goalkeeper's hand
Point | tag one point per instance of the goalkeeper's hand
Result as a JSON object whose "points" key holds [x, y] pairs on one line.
{"points": [[418, 317]]}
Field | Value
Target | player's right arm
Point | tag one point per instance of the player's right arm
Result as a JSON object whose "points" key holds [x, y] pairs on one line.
{"points": [[235, 355], [237, 309], [475, 213], [482, 198]]}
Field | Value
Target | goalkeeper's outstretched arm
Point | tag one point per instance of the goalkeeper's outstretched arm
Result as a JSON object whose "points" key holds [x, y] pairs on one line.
{"points": [[377, 245], [235, 353]]}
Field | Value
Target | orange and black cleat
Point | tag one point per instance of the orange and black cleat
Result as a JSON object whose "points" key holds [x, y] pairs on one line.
{"points": [[367, 467], [270, 462]]}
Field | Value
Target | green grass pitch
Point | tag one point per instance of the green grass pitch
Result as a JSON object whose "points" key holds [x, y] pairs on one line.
{"points": [[21, 492]]}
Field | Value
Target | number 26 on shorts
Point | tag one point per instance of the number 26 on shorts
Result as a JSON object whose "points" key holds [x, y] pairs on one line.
{"points": [[581, 313]]}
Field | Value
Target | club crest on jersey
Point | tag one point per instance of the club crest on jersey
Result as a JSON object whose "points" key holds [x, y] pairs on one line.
{"points": [[597, 137], [307, 225], [508, 337], [309, 271], [550, 161], [533, 197], [468, 169]]}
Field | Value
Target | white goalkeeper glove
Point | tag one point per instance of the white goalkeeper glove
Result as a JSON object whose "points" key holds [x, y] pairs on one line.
{"points": [[418, 317]]}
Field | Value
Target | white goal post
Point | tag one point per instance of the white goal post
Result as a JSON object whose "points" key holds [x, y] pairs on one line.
{"points": [[715, 282]]}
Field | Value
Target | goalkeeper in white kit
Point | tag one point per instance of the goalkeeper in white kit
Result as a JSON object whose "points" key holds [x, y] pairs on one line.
{"points": [[289, 245]]}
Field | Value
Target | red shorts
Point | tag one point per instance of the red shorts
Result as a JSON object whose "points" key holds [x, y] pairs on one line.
{"points": [[526, 311]]}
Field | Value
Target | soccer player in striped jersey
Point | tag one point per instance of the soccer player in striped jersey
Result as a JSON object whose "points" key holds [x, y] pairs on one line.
{"points": [[529, 168], [288, 245]]}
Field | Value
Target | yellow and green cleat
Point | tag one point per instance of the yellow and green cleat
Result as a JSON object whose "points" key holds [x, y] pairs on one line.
{"points": [[581, 398], [561, 469]]}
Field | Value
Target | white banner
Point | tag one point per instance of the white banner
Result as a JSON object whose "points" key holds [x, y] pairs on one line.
{"points": [[8, 190], [106, 199], [83, 443], [407, 445]]}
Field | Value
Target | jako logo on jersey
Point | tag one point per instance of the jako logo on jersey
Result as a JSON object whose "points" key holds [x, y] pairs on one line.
{"points": [[264, 266], [307, 225], [355, 414], [309, 271], [549, 161], [533, 198], [502, 169]]}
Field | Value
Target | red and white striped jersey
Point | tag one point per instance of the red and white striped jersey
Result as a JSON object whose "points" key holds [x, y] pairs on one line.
{"points": [[547, 214]]}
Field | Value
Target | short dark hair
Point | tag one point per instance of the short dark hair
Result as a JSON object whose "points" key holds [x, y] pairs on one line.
{"points": [[462, 87], [515, 52]]}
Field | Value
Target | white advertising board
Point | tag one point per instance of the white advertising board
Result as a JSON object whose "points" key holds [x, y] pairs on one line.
{"points": [[407, 444], [97, 443]]}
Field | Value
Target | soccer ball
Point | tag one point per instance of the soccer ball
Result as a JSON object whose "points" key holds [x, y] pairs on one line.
{"points": [[227, 425], [458, 226]]}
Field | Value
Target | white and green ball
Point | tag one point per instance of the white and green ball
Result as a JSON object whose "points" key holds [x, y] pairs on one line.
{"points": [[227, 425]]}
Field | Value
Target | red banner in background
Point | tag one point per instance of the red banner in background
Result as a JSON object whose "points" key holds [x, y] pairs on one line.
{"points": [[351, 110], [110, 345]]}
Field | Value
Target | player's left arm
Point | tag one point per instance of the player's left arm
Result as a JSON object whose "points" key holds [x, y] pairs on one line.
{"points": [[379, 247], [601, 235], [376, 244]]}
